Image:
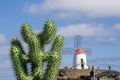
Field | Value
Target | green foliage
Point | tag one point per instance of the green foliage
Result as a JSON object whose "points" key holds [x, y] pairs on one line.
{"points": [[37, 56]]}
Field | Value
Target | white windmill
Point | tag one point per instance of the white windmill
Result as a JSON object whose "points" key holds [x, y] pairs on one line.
{"points": [[79, 54]]}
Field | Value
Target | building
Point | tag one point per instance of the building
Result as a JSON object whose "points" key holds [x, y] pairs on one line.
{"points": [[80, 61]]}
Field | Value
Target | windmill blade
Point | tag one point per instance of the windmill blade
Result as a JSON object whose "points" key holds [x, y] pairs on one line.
{"points": [[67, 51], [87, 50], [77, 41]]}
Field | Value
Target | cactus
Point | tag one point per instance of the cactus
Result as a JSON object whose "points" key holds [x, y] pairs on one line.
{"points": [[37, 55]]}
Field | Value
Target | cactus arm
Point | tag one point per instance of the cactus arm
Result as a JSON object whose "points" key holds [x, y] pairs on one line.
{"points": [[19, 66], [48, 32], [54, 59], [58, 43], [33, 41], [35, 50], [25, 58]]}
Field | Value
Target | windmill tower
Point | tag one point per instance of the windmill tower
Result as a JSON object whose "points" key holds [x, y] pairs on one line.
{"points": [[79, 59], [79, 54]]}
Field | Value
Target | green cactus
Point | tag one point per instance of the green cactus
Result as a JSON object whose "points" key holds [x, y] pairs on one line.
{"points": [[37, 56]]}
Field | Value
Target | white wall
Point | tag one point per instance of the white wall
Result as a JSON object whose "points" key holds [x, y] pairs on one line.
{"points": [[77, 61]]}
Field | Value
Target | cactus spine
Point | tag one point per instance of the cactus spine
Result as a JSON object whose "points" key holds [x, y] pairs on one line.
{"points": [[37, 55]]}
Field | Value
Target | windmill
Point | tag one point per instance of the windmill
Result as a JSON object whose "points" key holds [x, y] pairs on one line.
{"points": [[79, 54]]}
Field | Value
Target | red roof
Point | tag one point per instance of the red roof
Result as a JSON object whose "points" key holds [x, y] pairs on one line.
{"points": [[79, 51]]}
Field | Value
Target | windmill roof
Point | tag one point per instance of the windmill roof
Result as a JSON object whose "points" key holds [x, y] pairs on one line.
{"points": [[79, 51]]}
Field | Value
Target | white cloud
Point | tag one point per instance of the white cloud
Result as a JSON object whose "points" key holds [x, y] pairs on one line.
{"points": [[5, 64], [90, 8], [2, 38], [6, 70], [105, 40], [85, 29], [116, 27], [101, 34], [4, 50], [111, 39]]}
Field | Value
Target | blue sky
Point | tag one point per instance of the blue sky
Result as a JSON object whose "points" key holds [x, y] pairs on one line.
{"points": [[98, 21]]}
